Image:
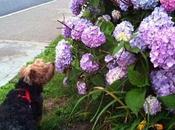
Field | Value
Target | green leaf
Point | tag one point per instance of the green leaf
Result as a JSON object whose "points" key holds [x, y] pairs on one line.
{"points": [[168, 101], [136, 78], [131, 49], [106, 26], [117, 48], [135, 99], [97, 80], [94, 2]]}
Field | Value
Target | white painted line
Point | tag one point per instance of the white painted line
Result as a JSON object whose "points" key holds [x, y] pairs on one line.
{"points": [[23, 10]]}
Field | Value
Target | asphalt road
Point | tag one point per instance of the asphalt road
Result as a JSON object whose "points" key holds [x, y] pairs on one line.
{"points": [[24, 34]]}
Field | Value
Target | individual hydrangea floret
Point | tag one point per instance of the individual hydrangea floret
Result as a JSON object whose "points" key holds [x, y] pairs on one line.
{"points": [[116, 15], [65, 81], [81, 87], [150, 26], [63, 56], [115, 74], [69, 26], [106, 17], [88, 64], [169, 5], [163, 82], [163, 48], [144, 4], [152, 106], [92, 37], [76, 6], [123, 31], [79, 27]]}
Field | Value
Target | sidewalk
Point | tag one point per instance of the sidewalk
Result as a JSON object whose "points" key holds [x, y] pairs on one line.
{"points": [[23, 35]]}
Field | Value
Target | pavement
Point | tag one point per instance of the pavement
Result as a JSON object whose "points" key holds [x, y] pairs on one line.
{"points": [[24, 34]]}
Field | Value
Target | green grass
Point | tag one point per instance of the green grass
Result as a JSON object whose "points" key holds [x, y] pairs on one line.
{"points": [[54, 90]]}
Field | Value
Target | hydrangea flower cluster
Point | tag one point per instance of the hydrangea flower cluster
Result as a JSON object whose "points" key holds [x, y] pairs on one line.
{"points": [[152, 106], [169, 5], [163, 48], [149, 26], [144, 4], [118, 65], [88, 64], [69, 26], [116, 15], [81, 87], [92, 37], [163, 82], [115, 74], [122, 59], [79, 27], [63, 56], [123, 31], [76, 6]]}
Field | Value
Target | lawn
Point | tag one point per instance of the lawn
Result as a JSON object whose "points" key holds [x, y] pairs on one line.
{"points": [[58, 100]]}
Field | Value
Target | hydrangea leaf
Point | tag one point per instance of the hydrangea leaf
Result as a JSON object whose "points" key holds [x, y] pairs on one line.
{"points": [[136, 78], [135, 99], [168, 101]]}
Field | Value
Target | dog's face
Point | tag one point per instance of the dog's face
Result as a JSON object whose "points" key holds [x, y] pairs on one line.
{"points": [[38, 73]]}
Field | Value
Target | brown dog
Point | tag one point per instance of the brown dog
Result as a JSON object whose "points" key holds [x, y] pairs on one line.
{"points": [[22, 108]]}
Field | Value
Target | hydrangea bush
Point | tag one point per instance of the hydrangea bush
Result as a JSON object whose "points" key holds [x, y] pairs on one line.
{"points": [[119, 56]]}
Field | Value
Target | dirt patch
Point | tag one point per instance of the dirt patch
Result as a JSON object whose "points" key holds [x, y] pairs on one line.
{"points": [[52, 103]]}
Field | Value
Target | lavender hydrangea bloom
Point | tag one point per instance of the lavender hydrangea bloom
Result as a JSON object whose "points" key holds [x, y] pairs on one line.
{"points": [[169, 5], [63, 56], [123, 5], [82, 88], [110, 61], [163, 82], [79, 27], [88, 64], [116, 15], [123, 31], [122, 59], [144, 4], [92, 37], [66, 31], [76, 6], [115, 74], [149, 26], [152, 106], [163, 48]]}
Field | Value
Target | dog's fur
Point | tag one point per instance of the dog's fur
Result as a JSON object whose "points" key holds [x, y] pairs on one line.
{"points": [[16, 113]]}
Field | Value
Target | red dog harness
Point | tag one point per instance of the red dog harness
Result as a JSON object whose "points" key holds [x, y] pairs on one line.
{"points": [[26, 96]]}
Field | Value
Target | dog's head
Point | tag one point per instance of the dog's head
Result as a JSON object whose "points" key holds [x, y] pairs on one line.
{"points": [[38, 73]]}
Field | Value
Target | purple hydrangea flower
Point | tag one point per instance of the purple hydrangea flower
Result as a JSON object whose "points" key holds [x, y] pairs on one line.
{"points": [[144, 4], [149, 26], [123, 31], [106, 17], [169, 5], [123, 5], [88, 64], [111, 62], [122, 59], [63, 56], [163, 82], [92, 37], [163, 48], [152, 106], [76, 6], [79, 27], [115, 74], [82, 88], [66, 31]]}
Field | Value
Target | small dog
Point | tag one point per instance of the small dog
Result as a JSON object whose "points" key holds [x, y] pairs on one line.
{"points": [[22, 108]]}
